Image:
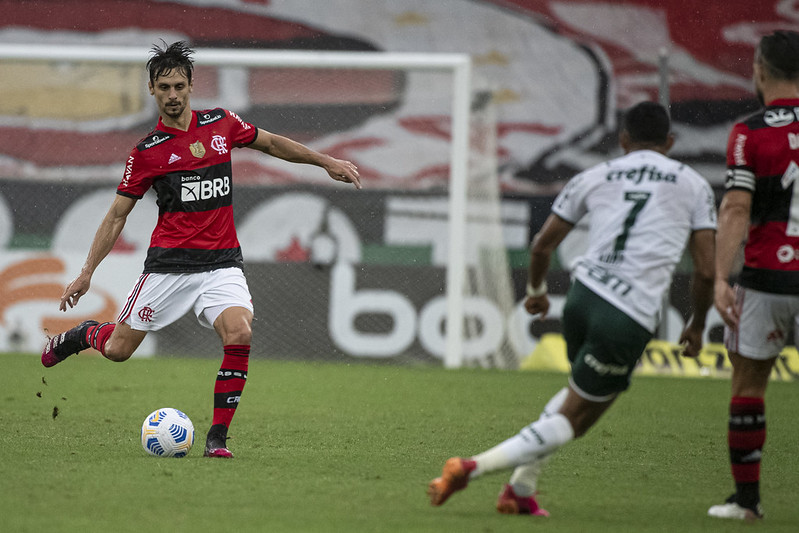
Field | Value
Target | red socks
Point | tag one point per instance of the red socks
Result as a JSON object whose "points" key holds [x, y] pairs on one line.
{"points": [[230, 379], [746, 436], [97, 335], [230, 382]]}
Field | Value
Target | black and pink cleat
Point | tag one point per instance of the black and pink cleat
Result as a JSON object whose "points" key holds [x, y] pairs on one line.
{"points": [[215, 443], [509, 503], [65, 344]]}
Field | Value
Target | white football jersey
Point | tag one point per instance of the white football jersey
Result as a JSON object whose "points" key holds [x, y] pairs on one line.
{"points": [[643, 206]]}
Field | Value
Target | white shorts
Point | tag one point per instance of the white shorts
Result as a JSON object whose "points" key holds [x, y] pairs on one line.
{"points": [[766, 322], [157, 300]]}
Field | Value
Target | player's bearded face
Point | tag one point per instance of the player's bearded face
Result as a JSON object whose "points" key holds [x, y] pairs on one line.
{"points": [[171, 92]]}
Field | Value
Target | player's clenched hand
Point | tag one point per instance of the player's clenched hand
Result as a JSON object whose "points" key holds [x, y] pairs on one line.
{"points": [[691, 341], [345, 171], [537, 304], [74, 291]]}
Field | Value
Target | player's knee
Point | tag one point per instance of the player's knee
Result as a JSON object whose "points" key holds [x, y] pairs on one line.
{"points": [[117, 357], [239, 336], [116, 353]]}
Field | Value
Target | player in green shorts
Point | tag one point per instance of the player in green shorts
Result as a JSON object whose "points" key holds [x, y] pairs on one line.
{"points": [[602, 342], [642, 209]]}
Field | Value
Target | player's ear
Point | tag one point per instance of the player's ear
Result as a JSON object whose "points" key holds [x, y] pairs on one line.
{"points": [[669, 142], [150, 86], [759, 74], [624, 140]]}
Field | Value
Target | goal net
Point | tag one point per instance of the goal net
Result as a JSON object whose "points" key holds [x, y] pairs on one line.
{"points": [[412, 268], [488, 280]]}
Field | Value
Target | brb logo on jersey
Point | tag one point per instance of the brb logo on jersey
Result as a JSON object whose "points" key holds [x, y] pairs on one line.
{"points": [[194, 188]]}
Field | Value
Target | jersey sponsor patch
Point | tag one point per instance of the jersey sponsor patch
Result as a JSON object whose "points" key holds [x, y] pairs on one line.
{"points": [[154, 139], [128, 172], [777, 118], [205, 189], [209, 117], [244, 125], [195, 191]]}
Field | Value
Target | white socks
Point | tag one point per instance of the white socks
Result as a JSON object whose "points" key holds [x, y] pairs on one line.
{"points": [[531, 444], [524, 479], [554, 404]]}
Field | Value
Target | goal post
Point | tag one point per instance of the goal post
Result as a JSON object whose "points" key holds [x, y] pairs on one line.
{"points": [[230, 61]]}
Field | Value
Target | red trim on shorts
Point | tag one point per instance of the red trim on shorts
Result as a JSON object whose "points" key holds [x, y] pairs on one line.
{"points": [[134, 294]]}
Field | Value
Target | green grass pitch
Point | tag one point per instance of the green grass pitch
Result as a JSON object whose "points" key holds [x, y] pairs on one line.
{"points": [[350, 448]]}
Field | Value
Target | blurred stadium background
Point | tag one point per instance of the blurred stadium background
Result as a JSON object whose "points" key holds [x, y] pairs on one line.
{"points": [[558, 73]]}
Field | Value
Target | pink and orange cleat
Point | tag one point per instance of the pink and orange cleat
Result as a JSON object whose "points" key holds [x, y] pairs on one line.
{"points": [[454, 477], [509, 503]]}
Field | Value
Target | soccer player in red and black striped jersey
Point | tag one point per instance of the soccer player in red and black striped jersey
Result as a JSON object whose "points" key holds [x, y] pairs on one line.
{"points": [[194, 261], [761, 207]]}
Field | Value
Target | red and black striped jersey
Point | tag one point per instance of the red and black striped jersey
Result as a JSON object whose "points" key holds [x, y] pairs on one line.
{"points": [[190, 172], [763, 158]]}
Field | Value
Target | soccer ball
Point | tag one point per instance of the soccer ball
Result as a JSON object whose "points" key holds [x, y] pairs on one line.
{"points": [[167, 432]]}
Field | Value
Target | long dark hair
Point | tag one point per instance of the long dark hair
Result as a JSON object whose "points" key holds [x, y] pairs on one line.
{"points": [[165, 59]]}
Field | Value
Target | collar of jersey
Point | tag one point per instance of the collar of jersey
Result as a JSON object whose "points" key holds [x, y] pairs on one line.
{"points": [[177, 131]]}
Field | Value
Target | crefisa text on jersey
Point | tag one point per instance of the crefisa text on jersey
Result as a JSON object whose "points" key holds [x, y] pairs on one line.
{"points": [[637, 175]]}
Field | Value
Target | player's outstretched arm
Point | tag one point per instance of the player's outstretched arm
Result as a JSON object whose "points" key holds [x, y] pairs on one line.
{"points": [[107, 234], [289, 150], [702, 246]]}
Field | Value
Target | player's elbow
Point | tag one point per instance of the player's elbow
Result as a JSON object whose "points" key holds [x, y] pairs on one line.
{"points": [[542, 247]]}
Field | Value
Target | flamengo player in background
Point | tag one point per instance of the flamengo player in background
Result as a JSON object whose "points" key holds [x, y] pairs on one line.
{"points": [[194, 261], [763, 309], [643, 208]]}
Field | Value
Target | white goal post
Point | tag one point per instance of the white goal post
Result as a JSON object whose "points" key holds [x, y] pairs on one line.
{"points": [[458, 65]]}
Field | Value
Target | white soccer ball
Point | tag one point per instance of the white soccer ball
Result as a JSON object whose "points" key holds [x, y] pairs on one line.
{"points": [[167, 432]]}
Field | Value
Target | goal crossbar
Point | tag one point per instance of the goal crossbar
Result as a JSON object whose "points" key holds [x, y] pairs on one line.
{"points": [[242, 57]]}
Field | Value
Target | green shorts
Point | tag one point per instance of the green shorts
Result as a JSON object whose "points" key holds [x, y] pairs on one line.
{"points": [[602, 342]]}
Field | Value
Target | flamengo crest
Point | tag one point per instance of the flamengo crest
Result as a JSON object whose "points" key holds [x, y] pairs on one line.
{"points": [[219, 144]]}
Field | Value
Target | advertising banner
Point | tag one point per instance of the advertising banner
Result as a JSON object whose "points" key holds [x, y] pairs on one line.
{"points": [[374, 292]]}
